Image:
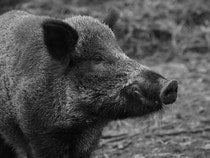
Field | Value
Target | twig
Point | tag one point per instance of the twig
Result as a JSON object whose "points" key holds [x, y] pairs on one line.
{"points": [[183, 132], [121, 137]]}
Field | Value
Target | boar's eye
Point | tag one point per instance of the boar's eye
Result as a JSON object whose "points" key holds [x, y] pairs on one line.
{"points": [[98, 59]]}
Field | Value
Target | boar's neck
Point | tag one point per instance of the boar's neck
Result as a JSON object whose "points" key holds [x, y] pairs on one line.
{"points": [[70, 129]]}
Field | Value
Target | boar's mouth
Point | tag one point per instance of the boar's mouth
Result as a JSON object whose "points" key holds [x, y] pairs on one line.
{"points": [[140, 106], [133, 101]]}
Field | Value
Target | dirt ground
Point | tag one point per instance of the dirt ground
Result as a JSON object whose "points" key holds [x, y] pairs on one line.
{"points": [[173, 38]]}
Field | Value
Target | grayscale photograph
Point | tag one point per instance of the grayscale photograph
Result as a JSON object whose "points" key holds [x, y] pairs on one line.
{"points": [[104, 79]]}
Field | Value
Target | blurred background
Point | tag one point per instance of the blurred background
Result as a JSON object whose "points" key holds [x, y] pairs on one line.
{"points": [[173, 38]]}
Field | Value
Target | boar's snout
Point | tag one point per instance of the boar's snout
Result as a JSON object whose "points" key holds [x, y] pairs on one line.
{"points": [[168, 93], [147, 97]]}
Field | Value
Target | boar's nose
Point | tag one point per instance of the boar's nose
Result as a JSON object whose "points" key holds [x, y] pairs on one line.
{"points": [[168, 93]]}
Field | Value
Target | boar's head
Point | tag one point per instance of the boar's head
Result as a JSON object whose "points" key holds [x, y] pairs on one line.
{"points": [[101, 80]]}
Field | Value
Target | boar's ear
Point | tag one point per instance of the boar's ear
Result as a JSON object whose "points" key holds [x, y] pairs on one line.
{"points": [[60, 38], [111, 18]]}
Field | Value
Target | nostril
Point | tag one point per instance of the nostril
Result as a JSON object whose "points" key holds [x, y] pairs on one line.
{"points": [[172, 88], [169, 92]]}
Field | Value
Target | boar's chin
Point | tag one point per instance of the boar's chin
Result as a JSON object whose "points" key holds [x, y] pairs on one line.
{"points": [[127, 108], [140, 107]]}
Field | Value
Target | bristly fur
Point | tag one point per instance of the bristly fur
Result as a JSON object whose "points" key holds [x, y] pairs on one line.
{"points": [[62, 82]]}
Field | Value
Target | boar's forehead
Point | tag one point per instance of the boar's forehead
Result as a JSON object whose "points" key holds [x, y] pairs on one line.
{"points": [[88, 26], [93, 35]]}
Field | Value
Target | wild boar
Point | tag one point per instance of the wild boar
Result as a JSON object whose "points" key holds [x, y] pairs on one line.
{"points": [[62, 81]]}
